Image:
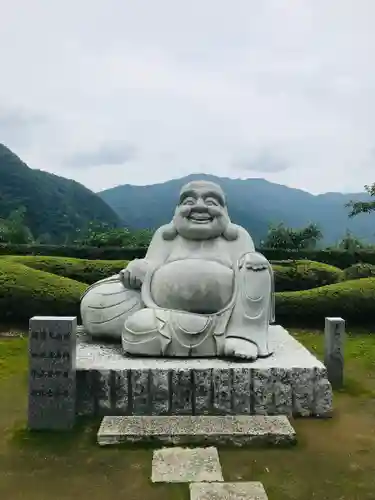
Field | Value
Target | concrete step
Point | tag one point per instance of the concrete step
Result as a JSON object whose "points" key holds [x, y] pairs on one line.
{"points": [[203, 429]]}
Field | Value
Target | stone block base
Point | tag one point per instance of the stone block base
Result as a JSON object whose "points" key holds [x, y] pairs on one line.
{"points": [[290, 382]]}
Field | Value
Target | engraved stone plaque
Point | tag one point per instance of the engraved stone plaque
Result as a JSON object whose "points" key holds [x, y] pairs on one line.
{"points": [[52, 381]]}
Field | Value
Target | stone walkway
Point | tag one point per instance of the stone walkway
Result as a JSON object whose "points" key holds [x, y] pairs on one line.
{"points": [[201, 468]]}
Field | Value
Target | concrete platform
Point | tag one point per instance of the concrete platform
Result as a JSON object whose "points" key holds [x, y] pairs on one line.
{"points": [[253, 490], [185, 465], [188, 430], [291, 381]]}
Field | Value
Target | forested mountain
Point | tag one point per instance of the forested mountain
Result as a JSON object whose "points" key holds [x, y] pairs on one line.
{"points": [[55, 207], [253, 203]]}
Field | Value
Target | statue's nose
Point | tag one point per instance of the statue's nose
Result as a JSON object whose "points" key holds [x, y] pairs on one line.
{"points": [[200, 205]]}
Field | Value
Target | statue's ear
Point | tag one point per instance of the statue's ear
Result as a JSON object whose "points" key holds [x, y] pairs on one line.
{"points": [[170, 232], [231, 232]]}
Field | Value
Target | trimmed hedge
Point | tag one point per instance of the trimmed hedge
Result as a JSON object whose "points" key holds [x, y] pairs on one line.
{"points": [[339, 258], [352, 300], [298, 275], [83, 270], [287, 262], [359, 271], [304, 275], [77, 252], [334, 257], [26, 292]]}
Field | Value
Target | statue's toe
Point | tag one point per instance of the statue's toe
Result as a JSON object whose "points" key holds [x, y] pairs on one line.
{"points": [[239, 348]]}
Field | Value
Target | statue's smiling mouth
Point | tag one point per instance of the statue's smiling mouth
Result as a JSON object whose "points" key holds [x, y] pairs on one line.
{"points": [[200, 218]]}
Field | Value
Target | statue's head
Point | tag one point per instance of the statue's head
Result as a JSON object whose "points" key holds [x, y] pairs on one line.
{"points": [[201, 213]]}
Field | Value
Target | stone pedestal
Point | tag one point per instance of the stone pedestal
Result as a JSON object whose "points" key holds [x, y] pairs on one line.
{"points": [[290, 382], [52, 382]]}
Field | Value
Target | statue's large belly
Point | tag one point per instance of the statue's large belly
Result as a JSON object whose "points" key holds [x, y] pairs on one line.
{"points": [[193, 285]]}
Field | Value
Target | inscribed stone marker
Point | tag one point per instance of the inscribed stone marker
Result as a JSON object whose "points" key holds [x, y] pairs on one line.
{"points": [[334, 333], [52, 380]]}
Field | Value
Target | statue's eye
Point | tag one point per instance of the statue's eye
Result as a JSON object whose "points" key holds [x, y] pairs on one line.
{"points": [[188, 201], [211, 202]]}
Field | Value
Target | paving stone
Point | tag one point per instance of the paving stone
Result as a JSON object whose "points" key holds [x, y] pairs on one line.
{"points": [[237, 430], [185, 465], [228, 491]]}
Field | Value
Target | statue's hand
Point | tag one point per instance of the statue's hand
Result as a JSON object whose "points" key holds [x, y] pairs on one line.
{"points": [[133, 275], [255, 261]]}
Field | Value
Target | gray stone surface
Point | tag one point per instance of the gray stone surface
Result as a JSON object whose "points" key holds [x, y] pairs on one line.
{"points": [[228, 491], [292, 381], [211, 430], [52, 380], [185, 465], [334, 337], [201, 289]]}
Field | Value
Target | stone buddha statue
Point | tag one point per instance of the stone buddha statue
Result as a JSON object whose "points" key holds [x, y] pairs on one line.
{"points": [[201, 291]]}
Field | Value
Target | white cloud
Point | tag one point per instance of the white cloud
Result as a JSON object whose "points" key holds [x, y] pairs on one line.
{"points": [[111, 153], [280, 90]]}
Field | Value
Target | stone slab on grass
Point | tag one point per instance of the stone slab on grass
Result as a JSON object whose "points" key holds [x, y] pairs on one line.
{"points": [[291, 381], [228, 491], [211, 430], [186, 465]]}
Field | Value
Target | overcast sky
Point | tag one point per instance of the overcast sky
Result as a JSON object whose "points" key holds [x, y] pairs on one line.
{"points": [[110, 92]]}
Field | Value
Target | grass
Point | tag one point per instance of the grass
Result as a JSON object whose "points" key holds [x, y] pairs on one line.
{"points": [[334, 459]]}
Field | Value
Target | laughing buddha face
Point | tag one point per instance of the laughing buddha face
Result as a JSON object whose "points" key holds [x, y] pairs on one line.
{"points": [[201, 213]]}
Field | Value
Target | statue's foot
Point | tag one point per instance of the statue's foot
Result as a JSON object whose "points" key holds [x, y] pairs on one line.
{"points": [[240, 348]]}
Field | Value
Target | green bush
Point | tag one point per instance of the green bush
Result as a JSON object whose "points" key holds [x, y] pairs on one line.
{"points": [[359, 271], [352, 300], [26, 292], [299, 275], [286, 262], [78, 252], [305, 274], [334, 257], [86, 271]]}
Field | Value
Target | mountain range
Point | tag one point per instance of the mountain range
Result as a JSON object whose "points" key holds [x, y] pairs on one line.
{"points": [[57, 207], [252, 203]]}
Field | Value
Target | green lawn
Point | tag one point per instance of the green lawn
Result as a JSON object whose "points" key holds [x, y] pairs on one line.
{"points": [[334, 459]]}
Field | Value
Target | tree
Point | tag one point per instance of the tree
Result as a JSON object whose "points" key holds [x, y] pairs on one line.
{"points": [[308, 237], [351, 243], [44, 239], [362, 207], [283, 237], [14, 230], [102, 235], [277, 237]]}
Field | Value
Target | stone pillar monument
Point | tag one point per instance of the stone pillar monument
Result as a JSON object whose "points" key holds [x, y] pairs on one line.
{"points": [[334, 334], [52, 379]]}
